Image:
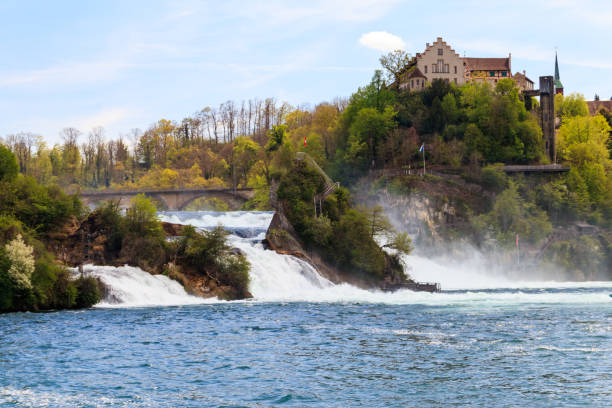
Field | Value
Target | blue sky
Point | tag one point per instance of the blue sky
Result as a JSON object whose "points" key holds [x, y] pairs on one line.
{"points": [[125, 64]]}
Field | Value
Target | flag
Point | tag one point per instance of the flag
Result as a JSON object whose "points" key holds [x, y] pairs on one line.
{"points": [[517, 241], [422, 147], [305, 140]]}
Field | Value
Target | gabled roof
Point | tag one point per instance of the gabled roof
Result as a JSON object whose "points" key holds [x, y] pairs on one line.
{"points": [[430, 47], [414, 72], [488, 64], [521, 77]]}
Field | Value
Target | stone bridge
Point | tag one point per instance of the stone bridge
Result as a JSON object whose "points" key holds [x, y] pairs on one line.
{"points": [[171, 200]]}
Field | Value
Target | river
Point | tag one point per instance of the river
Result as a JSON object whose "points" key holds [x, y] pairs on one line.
{"points": [[486, 340]]}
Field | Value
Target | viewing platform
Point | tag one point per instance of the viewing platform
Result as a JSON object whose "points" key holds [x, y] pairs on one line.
{"points": [[543, 168]]}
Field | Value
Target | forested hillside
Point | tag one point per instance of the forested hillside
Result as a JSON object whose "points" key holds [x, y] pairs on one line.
{"points": [[465, 131]]}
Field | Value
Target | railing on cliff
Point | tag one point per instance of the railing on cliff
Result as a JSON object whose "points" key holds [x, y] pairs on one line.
{"points": [[330, 185]]}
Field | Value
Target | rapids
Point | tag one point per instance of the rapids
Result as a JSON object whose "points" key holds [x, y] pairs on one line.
{"points": [[284, 278]]}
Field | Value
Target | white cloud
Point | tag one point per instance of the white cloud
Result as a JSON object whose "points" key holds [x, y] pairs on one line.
{"points": [[382, 41]]}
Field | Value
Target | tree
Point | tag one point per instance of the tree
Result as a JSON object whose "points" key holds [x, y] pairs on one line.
{"points": [[9, 168], [570, 105], [511, 216], [22, 262], [395, 63], [141, 218], [367, 131]]}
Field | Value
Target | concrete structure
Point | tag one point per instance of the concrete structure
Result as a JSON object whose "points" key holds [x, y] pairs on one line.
{"points": [[440, 61], [540, 168], [524, 83], [547, 114], [172, 200]]}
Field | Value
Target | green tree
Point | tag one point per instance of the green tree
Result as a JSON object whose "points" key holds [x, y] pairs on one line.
{"points": [[9, 168], [395, 63], [141, 218], [369, 129], [570, 105]]}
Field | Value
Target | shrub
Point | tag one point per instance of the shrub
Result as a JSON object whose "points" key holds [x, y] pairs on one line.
{"points": [[208, 253], [88, 292], [141, 219], [494, 179], [22, 262]]}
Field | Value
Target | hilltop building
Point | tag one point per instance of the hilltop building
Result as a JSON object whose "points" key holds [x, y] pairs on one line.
{"points": [[558, 84], [440, 61], [488, 70], [523, 82]]}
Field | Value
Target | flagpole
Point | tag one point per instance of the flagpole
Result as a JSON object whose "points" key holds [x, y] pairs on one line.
{"points": [[423, 149]]}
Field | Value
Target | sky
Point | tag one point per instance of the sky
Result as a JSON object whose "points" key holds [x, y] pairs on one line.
{"points": [[126, 64]]}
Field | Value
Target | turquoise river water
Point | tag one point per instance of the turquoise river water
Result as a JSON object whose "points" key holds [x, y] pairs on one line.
{"points": [[305, 342]]}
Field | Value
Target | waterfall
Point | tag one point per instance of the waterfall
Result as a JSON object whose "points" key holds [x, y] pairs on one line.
{"points": [[284, 278], [132, 287]]}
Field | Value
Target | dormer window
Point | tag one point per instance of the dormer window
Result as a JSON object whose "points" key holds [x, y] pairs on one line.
{"points": [[439, 51]]}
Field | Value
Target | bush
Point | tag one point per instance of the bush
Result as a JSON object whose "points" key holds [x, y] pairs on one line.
{"points": [[208, 253], [494, 179], [141, 219], [88, 292]]}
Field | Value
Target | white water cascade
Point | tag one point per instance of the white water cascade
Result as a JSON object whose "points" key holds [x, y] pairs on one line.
{"points": [[284, 278], [132, 287]]}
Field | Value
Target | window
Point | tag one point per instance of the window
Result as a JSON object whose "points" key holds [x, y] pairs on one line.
{"points": [[439, 51], [504, 73], [455, 79], [446, 68], [455, 69], [425, 68], [434, 68], [412, 83], [492, 73]]}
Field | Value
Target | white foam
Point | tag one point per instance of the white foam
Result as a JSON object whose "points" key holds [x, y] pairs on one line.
{"points": [[132, 287], [475, 273], [284, 278]]}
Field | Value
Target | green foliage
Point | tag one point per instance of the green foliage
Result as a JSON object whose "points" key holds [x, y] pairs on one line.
{"points": [[494, 178], [141, 219], [9, 168], [581, 258], [343, 234], [570, 105], [367, 131], [583, 143], [511, 216], [209, 253], [88, 292], [395, 62]]}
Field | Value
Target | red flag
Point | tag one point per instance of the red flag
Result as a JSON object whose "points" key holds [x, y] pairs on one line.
{"points": [[305, 140]]}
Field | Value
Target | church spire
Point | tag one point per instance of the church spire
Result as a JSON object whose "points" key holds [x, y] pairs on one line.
{"points": [[558, 84]]}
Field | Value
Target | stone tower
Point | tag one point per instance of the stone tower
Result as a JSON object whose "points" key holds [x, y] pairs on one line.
{"points": [[547, 106]]}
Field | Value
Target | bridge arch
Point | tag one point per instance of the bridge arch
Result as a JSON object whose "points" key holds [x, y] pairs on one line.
{"points": [[172, 200]]}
